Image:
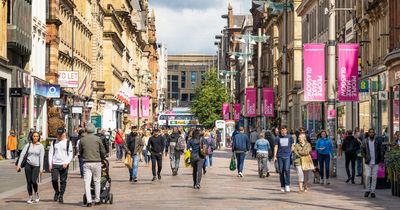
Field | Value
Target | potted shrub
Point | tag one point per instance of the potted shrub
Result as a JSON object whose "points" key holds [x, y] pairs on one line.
{"points": [[392, 158]]}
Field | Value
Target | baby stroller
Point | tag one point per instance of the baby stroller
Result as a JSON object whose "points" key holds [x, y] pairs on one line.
{"points": [[105, 185]]}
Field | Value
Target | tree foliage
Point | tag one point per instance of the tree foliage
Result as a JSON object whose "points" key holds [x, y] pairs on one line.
{"points": [[208, 100]]}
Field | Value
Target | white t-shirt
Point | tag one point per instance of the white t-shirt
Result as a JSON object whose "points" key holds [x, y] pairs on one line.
{"points": [[58, 154], [371, 145]]}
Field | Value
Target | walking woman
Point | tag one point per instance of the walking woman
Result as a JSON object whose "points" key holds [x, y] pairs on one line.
{"points": [[262, 148], [196, 159], [33, 166], [302, 149], [324, 149], [119, 144], [146, 153]]}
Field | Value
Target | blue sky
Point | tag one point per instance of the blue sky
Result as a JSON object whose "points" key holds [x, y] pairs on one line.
{"points": [[190, 26]]}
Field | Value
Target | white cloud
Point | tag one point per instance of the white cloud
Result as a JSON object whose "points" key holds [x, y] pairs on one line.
{"points": [[193, 30]]}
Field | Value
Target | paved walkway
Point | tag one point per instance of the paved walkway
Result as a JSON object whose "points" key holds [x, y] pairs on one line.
{"points": [[221, 189]]}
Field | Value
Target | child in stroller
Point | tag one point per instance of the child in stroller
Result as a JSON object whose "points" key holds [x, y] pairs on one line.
{"points": [[105, 185]]}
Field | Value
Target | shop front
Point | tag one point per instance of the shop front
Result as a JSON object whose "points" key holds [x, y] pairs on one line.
{"points": [[5, 109], [39, 106], [394, 108], [312, 117]]}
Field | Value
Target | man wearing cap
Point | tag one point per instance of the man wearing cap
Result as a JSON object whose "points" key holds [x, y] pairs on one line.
{"points": [[92, 151], [156, 146], [60, 155]]}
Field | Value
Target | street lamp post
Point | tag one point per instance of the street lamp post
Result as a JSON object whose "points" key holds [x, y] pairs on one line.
{"points": [[284, 72]]}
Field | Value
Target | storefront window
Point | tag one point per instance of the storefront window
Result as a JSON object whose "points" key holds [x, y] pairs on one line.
{"points": [[38, 112], [364, 115], [341, 117], [396, 109]]}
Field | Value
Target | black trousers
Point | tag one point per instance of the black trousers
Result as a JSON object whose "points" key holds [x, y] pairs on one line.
{"points": [[351, 157], [58, 172], [156, 159], [197, 166], [253, 151], [31, 174]]}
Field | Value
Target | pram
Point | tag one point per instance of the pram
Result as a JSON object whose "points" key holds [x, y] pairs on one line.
{"points": [[105, 185]]}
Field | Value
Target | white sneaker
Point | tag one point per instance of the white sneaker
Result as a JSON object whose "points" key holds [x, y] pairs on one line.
{"points": [[30, 200], [37, 198], [287, 188], [240, 174], [282, 189]]}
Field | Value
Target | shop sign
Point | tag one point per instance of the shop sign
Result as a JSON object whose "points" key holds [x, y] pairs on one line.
{"points": [[236, 111], [331, 114], [65, 110], [268, 102], [145, 107], [220, 124], [383, 95], [96, 120], [77, 110], [134, 105], [68, 79], [53, 91], [363, 86], [57, 102], [375, 86], [89, 104], [225, 111], [15, 92]]}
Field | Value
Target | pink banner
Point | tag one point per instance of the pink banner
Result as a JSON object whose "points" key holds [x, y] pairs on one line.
{"points": [[268, 101], [251, 101], [134, 106], [145, 107], [348, 72], [225, 111], [236, 112], [314, 72]]}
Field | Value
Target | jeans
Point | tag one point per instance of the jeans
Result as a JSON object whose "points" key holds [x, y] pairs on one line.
{"points": [[146, 156], [371, 172], [58, 172], [359, 166], [284, 170], [135, 165], [175, 158], [350, 157], [13, 154], [156, 159], [89, 170], [120, 151], [31, 174], [240, 161], [80, 165], [324, 163], [197, 166], [210, 159], [262, 163]]}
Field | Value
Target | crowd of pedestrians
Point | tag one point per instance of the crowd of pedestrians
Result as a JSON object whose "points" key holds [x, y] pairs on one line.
{"points": [[275, 150]]}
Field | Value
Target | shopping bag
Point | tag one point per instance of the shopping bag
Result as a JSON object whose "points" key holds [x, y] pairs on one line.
{"points": [[232, 165], [381, 171], [187, 158], [307, 163], [128, 161]]}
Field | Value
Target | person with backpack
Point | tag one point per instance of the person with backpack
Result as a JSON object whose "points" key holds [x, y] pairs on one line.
{"points": [[33, 164], [240, 145], [174, 154], [210, 144], [196, 157], [60, 156]]}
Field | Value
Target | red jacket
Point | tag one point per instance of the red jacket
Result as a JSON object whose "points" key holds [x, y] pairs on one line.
{"points": [[119, 139]]}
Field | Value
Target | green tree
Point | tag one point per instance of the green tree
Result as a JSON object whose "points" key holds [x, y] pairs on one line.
{"points": [[208, 100]]}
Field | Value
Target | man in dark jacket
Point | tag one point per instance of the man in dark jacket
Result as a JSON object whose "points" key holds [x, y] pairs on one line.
{"points": [[371, 151], [350, 147], [92, 151], [240, 145], [174, 155], [133, 144], [156, 146]]}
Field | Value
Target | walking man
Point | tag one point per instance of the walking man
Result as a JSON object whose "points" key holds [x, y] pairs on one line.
{"points": [[60, 156], [134, 145], [156, 146], [241, 144], [371, 150], [282, 153], [253, 138], [92, 152], [174, 154]]}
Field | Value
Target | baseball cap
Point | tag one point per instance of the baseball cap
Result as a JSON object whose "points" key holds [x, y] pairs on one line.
{"points": [[60, 130]]}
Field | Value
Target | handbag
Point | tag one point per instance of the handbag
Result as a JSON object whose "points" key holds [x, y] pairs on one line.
{"points": [[187, 158], [307, 163], [232, 165], [25, 158], [128, 161]]}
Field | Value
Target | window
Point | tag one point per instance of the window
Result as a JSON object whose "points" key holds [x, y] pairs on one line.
{"points": [[47, 58], [47, 9], [185, 97], [193, 77], [175, 87], [9, 13], [191, 96], [183, 79]]}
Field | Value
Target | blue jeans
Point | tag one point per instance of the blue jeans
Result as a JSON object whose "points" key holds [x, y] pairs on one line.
{"points": [[210, 159], [240, 161], [324, 163], [146, 156], [120, 151], [135, 164], [284, 170], [80, 165], [359, 166]]}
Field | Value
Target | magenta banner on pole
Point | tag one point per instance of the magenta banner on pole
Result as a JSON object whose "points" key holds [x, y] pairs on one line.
{"points": [[251, 101], [314, 72], [145, 107], [348, 72], [134, 106], [268, 101], [225, 111], [236, 111]]}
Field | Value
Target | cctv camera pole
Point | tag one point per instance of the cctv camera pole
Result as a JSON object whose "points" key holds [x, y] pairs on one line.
{"points": [[331, 80]]}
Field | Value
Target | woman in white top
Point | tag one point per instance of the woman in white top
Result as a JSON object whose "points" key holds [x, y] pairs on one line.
{"points": [[146, 153]]}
